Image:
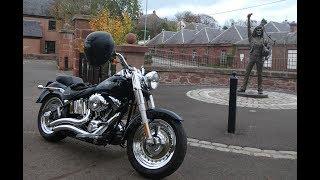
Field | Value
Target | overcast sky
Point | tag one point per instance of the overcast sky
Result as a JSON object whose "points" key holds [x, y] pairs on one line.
{"points": [[278, 11]]}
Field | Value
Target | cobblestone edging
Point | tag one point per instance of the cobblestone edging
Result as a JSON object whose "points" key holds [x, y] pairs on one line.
{"points": [[243, 150], [275, 100], [28, 61]]}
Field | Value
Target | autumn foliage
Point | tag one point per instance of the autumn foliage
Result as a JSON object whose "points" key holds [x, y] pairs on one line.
{"points": [[116, 26]]}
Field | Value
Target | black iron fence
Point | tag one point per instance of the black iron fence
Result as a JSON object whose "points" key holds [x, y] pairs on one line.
{"points": [[93, 74], [174, 59]]}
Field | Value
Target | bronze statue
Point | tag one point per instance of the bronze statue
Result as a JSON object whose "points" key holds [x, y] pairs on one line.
{"points": [[259, 52]]}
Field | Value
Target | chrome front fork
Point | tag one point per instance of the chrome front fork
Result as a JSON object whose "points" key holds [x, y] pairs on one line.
{"points": [[143, 112], [141, 104]]}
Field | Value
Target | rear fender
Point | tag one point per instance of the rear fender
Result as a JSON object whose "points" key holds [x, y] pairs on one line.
{"points": [[47, 92]]}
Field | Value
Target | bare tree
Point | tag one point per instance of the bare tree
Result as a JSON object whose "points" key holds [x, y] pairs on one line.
{"points": [[208, 20], [188, 16]]}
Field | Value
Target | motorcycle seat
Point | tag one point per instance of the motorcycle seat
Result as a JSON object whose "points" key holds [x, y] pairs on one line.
{"points": [[72, 94], [69, 80]]}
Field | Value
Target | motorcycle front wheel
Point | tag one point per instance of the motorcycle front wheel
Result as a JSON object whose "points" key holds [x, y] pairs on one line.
{"points": [[161, 158]]}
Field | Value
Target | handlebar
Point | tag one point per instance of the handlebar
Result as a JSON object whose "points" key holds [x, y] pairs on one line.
{"points": [[123, 61]]}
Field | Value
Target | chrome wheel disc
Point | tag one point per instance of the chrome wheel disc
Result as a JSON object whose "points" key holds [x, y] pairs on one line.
{"points": [[158, 154], [50, 105]]}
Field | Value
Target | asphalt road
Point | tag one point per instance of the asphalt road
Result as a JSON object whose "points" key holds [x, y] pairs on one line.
{"points": [[73, 159], [261, 128]]}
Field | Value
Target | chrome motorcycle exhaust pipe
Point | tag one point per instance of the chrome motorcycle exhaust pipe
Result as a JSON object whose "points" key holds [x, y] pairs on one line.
{"points": [[72, 121], [100, 130], [81, 133], [70, 128]]}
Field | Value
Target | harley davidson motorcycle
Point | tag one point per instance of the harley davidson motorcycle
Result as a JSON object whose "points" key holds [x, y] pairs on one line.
{"points": [[118, 111]]}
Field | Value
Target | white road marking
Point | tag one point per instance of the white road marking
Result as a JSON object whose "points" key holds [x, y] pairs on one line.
{"points": [[243, 150]]}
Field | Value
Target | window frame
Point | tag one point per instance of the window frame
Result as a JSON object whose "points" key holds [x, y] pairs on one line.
{"points": [[55, 25], [223, 57], [46, 47], [292, 60], [194, 54]]}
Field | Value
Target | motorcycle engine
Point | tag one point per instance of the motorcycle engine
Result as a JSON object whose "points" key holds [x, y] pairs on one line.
{"points": [[97, 103], [101, 108]]}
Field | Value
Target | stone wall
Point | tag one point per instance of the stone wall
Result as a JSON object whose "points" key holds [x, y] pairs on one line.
{"points": [[40, 56], [281, 81]]}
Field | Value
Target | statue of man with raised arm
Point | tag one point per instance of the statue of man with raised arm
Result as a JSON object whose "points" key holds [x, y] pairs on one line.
{"points": [[259, 51]]}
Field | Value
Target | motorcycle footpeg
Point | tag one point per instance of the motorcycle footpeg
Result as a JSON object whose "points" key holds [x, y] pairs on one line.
{"points": [[87, 136]]}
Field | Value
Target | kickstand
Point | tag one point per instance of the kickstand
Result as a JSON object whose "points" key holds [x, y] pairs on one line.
{"points": [[123, 144]]}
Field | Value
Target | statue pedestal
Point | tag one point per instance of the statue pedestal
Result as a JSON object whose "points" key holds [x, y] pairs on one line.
{"points": [[252, 94]]}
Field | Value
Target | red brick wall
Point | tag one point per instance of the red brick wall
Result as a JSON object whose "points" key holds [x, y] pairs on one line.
{"points": [[279, 53], [279, 56], [66, 50], [31, 46], [284, 81], [214, 51]]}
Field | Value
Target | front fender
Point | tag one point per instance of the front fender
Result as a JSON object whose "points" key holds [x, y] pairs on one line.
{"points": [[162, 113], [156, 113]]}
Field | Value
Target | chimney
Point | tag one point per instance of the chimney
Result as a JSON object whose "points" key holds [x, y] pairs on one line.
{"points": [[293, 27]]}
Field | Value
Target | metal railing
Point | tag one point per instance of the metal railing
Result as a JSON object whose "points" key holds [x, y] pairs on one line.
{"points": [[163, 58]]}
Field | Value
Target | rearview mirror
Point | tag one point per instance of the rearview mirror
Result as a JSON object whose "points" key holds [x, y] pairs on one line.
{"points": [[143, 71]]}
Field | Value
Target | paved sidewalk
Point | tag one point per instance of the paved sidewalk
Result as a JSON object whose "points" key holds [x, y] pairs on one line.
{"points": [[72, 159]]}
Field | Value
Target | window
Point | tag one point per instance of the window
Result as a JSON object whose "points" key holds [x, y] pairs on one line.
{"points": [[292, 59], [207, 51], [194, 53], [268, 62], [206, 57], [50, 47], [241, 57], [223, 58], [52, 25], [170, 55]]}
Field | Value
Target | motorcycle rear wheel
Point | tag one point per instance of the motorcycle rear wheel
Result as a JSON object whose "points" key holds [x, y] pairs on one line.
{"points": [[50, 103]]}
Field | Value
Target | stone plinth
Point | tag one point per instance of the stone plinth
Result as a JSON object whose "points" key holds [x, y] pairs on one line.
{"points": [[252, 94]]}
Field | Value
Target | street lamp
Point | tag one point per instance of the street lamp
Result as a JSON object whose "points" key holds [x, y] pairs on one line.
{"points": [[145, 24]]}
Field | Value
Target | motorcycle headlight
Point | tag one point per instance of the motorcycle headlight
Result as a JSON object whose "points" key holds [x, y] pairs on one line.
{"points": [[152, 80]]}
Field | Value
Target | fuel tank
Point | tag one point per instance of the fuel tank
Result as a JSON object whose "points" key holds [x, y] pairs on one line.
{"points": [[116, 86]]}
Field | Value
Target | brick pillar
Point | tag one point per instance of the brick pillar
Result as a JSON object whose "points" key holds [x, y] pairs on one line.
{"points": [[65, 49], [81, 31], [133, 53]]}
